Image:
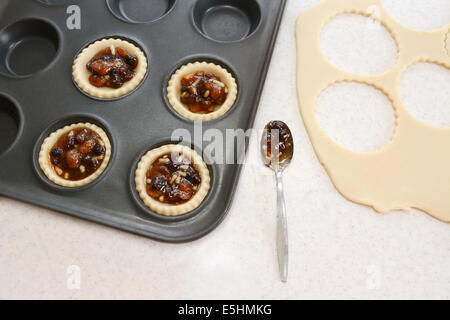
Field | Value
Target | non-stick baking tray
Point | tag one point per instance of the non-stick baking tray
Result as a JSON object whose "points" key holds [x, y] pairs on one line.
{"points": [[37, 96]]}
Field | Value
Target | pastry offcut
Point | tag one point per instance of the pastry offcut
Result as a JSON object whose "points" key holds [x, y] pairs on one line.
{"points": [[413, 170]]}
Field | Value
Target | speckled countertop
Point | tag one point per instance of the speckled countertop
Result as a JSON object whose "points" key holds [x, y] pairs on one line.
{"points": [[338, 249]]}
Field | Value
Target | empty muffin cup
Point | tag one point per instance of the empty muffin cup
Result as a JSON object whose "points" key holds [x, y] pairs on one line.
{"points": [[10, 121], [227, 20], [55, 2], [140, 11], [27, 46]]}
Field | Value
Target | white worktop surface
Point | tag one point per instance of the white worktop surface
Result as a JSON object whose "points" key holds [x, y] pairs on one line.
{"points": [[338, 249]]}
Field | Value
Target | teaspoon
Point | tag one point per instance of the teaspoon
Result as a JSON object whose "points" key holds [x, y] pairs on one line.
{"points": [[277, 147]]}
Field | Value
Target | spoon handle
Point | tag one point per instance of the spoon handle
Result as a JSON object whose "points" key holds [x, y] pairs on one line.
{"points": [[282, 232]]}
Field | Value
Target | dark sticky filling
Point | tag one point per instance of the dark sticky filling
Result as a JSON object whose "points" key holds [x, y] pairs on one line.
{"points": [[77, 154], [277, 139], [172, 179], [112, 70], [201, 92]]}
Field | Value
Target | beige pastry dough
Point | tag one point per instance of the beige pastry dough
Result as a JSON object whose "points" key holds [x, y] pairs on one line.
{"points": [[413, 170], [174, 90], [48, 168], [81, 73], [447, 42], [165, 208]]}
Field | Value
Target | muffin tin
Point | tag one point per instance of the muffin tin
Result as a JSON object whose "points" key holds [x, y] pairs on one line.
{"points": [[38, 96]]}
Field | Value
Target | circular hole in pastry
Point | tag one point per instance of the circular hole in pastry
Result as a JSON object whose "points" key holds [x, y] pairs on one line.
{"points": [[202, 90], [27, 46], [172, 180], [356, 116], [358, 44], [419, 14], [74, 152], [227, 20], [140, 11], [424, 90], [110, 68], [10, 122]]}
